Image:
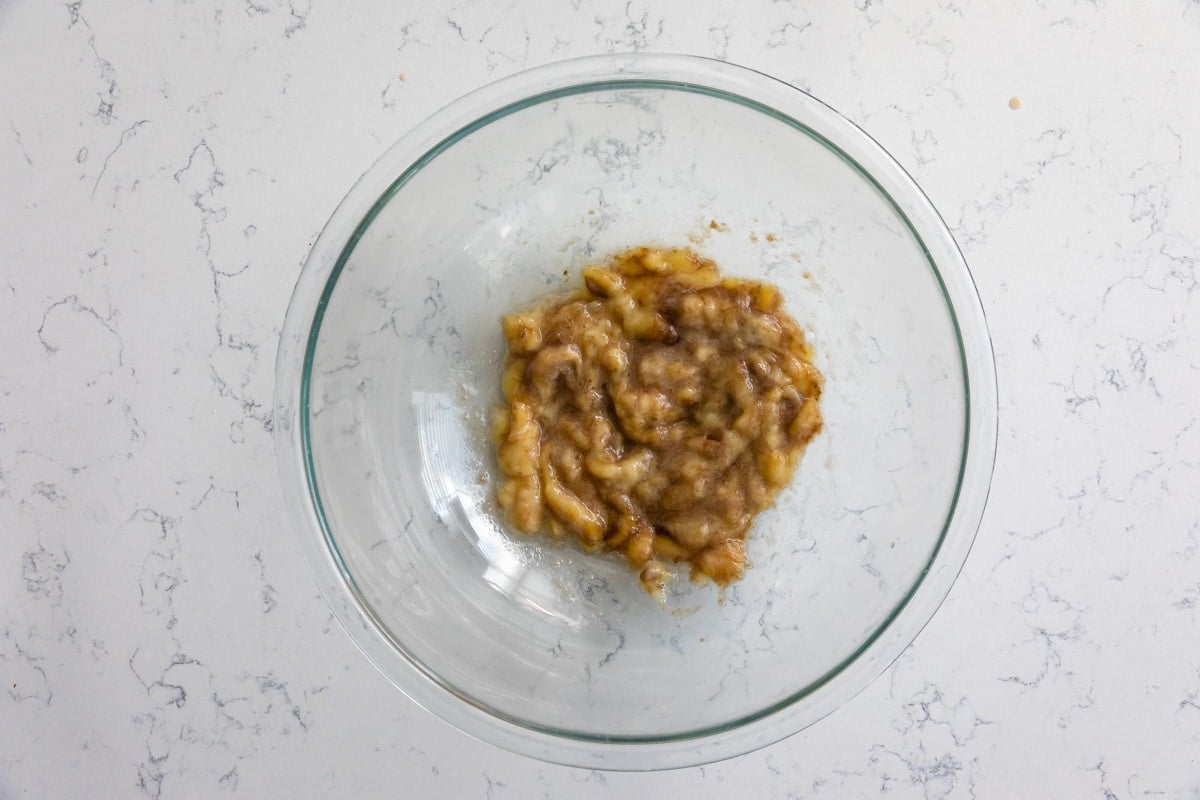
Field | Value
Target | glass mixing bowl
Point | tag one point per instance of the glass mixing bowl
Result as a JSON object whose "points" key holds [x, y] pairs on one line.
{"points": [[389, 365]]}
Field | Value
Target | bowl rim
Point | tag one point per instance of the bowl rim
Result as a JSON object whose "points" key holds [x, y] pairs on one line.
{"points": [[714, 78]]}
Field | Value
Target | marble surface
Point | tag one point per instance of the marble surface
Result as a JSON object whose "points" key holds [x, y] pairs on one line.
{"points": [[165, 168]]}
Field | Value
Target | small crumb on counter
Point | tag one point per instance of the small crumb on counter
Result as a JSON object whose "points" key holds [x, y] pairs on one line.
{"points": [[1014, 103]]}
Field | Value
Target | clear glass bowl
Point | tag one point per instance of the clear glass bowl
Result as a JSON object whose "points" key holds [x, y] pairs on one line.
{"points": [[389, 365]]}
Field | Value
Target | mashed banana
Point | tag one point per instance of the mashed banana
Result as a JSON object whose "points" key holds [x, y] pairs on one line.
{"points": [[654, 412]]}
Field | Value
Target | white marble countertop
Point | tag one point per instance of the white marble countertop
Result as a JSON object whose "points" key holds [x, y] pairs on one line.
{"points": [[165, 166]]}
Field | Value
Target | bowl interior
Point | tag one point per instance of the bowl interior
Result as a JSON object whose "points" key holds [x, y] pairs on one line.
{"points": [[404, 369]]}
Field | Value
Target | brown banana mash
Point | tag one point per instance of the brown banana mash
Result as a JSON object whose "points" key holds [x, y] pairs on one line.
{"points": [[654, 412]]}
